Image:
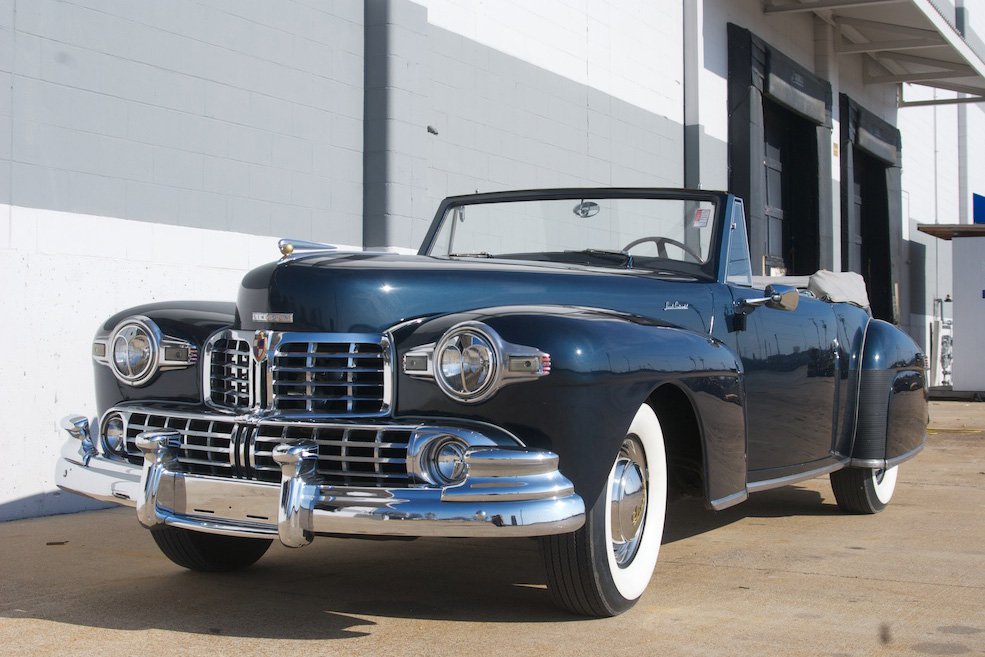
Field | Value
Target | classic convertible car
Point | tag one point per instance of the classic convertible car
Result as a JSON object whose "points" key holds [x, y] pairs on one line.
{"points": [[550, 364]]}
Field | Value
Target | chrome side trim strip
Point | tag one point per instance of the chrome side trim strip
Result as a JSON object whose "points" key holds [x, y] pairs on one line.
{"points": [[729, 500], [887, 463], [896, 460], [756, 486]]}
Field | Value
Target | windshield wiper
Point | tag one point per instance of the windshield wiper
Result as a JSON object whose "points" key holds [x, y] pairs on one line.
{"points": [[624, 258], [479, 254]]}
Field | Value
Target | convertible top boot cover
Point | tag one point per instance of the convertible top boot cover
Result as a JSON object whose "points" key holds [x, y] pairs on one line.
{"points": [[839, 286]]}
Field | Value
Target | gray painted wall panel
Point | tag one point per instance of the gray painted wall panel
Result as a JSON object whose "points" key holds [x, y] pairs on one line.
{"points": [[186, 113], [504, 123]]}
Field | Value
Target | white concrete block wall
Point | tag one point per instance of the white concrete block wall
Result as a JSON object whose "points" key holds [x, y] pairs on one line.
{"points": [[153, 151], [976, 153], [65, 274]]}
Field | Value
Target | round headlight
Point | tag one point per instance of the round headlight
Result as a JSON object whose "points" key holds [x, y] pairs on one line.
{"points": [[115, 435], [133, 351], [446, 461], [467, 364]]}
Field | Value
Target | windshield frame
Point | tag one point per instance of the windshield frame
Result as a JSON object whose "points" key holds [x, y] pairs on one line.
{"points": [[720, 200]]}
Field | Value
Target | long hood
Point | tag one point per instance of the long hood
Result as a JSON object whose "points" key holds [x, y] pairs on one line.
{"points": [[368, 293]]}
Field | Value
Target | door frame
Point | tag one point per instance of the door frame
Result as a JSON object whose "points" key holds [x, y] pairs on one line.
{"points": [[757, 70]]}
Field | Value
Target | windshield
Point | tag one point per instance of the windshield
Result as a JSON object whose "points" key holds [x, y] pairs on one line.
{"points": [[633, 233]]}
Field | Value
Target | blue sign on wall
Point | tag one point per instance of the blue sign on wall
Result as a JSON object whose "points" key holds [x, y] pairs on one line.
{"points": [[978, 208]]}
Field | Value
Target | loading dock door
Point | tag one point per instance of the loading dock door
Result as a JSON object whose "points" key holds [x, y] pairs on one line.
{"points": [[778, 113], [773, 214], [871, 212], [791, 192]]}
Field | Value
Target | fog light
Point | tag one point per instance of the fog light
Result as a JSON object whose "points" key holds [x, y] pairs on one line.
{"points": [[447, 461], [115, 435]]}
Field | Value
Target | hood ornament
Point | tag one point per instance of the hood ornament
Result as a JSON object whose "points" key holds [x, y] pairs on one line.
{"points": [[288, 246]]}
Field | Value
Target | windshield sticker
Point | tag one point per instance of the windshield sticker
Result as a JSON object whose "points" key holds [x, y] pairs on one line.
{"points": [[701, 216]]}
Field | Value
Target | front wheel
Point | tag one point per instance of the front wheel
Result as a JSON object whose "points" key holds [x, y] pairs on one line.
{"points": [[604, 567], [864, 490], [210, 553]]}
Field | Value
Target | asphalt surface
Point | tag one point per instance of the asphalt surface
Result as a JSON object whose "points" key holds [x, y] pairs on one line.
{"points": [[782, 574]]}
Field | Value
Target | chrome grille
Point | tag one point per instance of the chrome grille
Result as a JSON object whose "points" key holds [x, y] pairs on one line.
{"points": [[229, 372], [206, 444], [335, 378], [327, 374], [347, 456]]}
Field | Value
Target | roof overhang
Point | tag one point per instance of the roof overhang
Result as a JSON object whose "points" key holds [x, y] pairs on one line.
{"points": [[903, 41], [950, 231]]}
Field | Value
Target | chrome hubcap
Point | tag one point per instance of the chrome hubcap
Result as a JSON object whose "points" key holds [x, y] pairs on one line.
{"points": [[629, 499]]}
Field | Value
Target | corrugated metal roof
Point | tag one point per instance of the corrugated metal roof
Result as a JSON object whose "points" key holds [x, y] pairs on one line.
{"points": [[915, 41]]}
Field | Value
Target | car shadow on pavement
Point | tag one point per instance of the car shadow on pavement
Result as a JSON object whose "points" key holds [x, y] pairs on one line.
{"points": [[331, 589], [689, 517]]}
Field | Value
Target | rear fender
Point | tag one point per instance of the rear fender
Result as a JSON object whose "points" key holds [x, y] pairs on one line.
{"points": [[891, 406]]}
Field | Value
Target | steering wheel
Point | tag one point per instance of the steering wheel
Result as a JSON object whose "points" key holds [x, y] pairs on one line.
{"points": [[662, 243]]}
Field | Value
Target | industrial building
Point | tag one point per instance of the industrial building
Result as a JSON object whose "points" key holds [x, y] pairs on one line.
{"points": [[154, 151]]}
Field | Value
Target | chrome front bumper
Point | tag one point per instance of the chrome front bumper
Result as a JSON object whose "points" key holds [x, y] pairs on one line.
{"points": [[507, 492]]}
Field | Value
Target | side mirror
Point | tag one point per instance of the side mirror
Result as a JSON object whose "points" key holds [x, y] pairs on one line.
{"points": [[779, 297], [782, 297]]}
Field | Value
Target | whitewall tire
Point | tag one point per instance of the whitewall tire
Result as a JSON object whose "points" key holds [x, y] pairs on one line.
{"points": [[603, 568], [864, 490]]}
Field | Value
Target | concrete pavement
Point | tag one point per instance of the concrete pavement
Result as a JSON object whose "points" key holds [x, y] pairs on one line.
{"points": [[783, 574]]}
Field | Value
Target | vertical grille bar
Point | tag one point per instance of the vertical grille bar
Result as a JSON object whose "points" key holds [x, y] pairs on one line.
{"points": [[376, 451], [350, 379]]}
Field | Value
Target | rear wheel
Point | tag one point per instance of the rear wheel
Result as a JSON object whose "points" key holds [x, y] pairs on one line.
{"points": [[864, 490], [208, 552], [603, 568]]}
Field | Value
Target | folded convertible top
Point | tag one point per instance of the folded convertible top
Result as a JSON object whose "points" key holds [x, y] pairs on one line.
{"points": [[833, 286]]}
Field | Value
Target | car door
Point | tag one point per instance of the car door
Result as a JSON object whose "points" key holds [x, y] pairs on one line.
{"points": [[791, 361]]}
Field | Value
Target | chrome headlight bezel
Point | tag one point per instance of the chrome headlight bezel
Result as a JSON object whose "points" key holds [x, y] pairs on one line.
{"points": [[163, 352], [508, 363], [468, 343], [125, 335]]}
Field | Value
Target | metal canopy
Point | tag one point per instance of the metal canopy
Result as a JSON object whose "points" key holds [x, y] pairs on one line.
{"points": [[950, 231], [914, 41]]}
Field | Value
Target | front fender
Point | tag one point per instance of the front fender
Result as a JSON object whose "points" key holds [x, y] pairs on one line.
{"points": [[604, 365], [194, 321]]}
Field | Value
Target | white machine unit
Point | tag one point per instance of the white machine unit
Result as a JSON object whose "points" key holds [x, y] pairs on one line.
{"points": [[967, 330], [968, 256]]}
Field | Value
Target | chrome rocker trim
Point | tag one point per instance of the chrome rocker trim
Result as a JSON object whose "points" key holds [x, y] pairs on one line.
{"points": [[506, 492]]}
